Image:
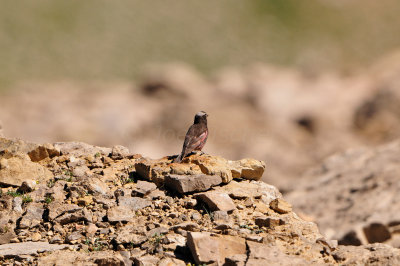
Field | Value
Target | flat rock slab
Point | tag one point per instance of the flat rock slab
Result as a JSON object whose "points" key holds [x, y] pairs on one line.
{"points": [[28, 248], [192, 183], [217, 201], [212, 249]]}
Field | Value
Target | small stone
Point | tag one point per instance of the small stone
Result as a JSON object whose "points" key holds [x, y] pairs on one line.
{"points": [[196, 216], [17, 204], [74, 237], [86, 200], [190, 203], [221, 216], [280, 206], [36, 237], [187, 226], [91, 229], [269, 222]]}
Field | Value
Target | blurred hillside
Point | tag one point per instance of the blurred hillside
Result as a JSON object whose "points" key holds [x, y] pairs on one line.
{"points": [[103, 40]]}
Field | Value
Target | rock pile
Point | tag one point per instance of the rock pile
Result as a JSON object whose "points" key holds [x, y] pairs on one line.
{"points": [[82, 204], [360, 188]]}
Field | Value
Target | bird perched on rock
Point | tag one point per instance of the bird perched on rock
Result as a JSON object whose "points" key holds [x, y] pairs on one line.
{"points": [[196, 136]]}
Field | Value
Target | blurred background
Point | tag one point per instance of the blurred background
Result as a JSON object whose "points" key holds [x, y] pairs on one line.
{"points": [[289, 82]]}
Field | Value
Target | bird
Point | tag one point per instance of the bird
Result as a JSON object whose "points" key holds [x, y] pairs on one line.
{"points": [[196, 136]]}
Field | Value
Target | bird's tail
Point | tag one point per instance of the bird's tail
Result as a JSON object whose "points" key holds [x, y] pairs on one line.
{"points": [[178, 159]]}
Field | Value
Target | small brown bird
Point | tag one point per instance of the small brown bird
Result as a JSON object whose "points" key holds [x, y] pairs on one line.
{"points": [[196, 136]]}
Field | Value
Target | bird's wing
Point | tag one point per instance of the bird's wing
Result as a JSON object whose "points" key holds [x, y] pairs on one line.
{"points": [[193, 138]]}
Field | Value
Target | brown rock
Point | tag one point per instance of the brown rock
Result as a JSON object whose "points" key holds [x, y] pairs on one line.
{"points": [[143, 188], [192, 183], [33, 216], [43, 152], [133, 203], [20, 169], [376, 232], [269, 222], [6, 237], [280, 206], [78, 149], [119, 152], [120, 214], [148, 260], [28, 248], [217, 201], [211, 249]]}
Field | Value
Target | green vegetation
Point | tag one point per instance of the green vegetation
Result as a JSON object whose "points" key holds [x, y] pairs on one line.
{"points": [[14, 193], [108, 40], [26, 199]]}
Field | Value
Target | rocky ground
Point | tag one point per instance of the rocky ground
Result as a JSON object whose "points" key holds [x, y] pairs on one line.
{"points": [[360, 188], [260, 111], [77, 204]]}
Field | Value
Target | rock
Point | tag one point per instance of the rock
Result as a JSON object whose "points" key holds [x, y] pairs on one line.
{"points": [[217, 201], [36, 237], [126, 237], [120, 214], [96, 186], [250, 169], [33, 216], [143, 188], [192, 183], [156, 170], [251, 189], [28, 248], [119, 152], [17, 204], [74, 237], [269, 222], [57, 209], [372, 254], [147, 260], [376, 232], [221, 216], [353, 189], [210, 249], [42, 152], [78, 149], [280, 206], [22, 169], [261, 254], [66, 257], [188, 226], [133, 203], [236, 260], [6, 237], [212, 165]]}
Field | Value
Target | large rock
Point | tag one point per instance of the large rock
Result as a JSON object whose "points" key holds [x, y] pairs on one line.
{"points": [[16, 170], [192, 183], [156, 170], [209, 249], [28, 248]]}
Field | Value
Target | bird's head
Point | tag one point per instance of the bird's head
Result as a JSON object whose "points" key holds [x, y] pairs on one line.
{"points": [[200, 116]]}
